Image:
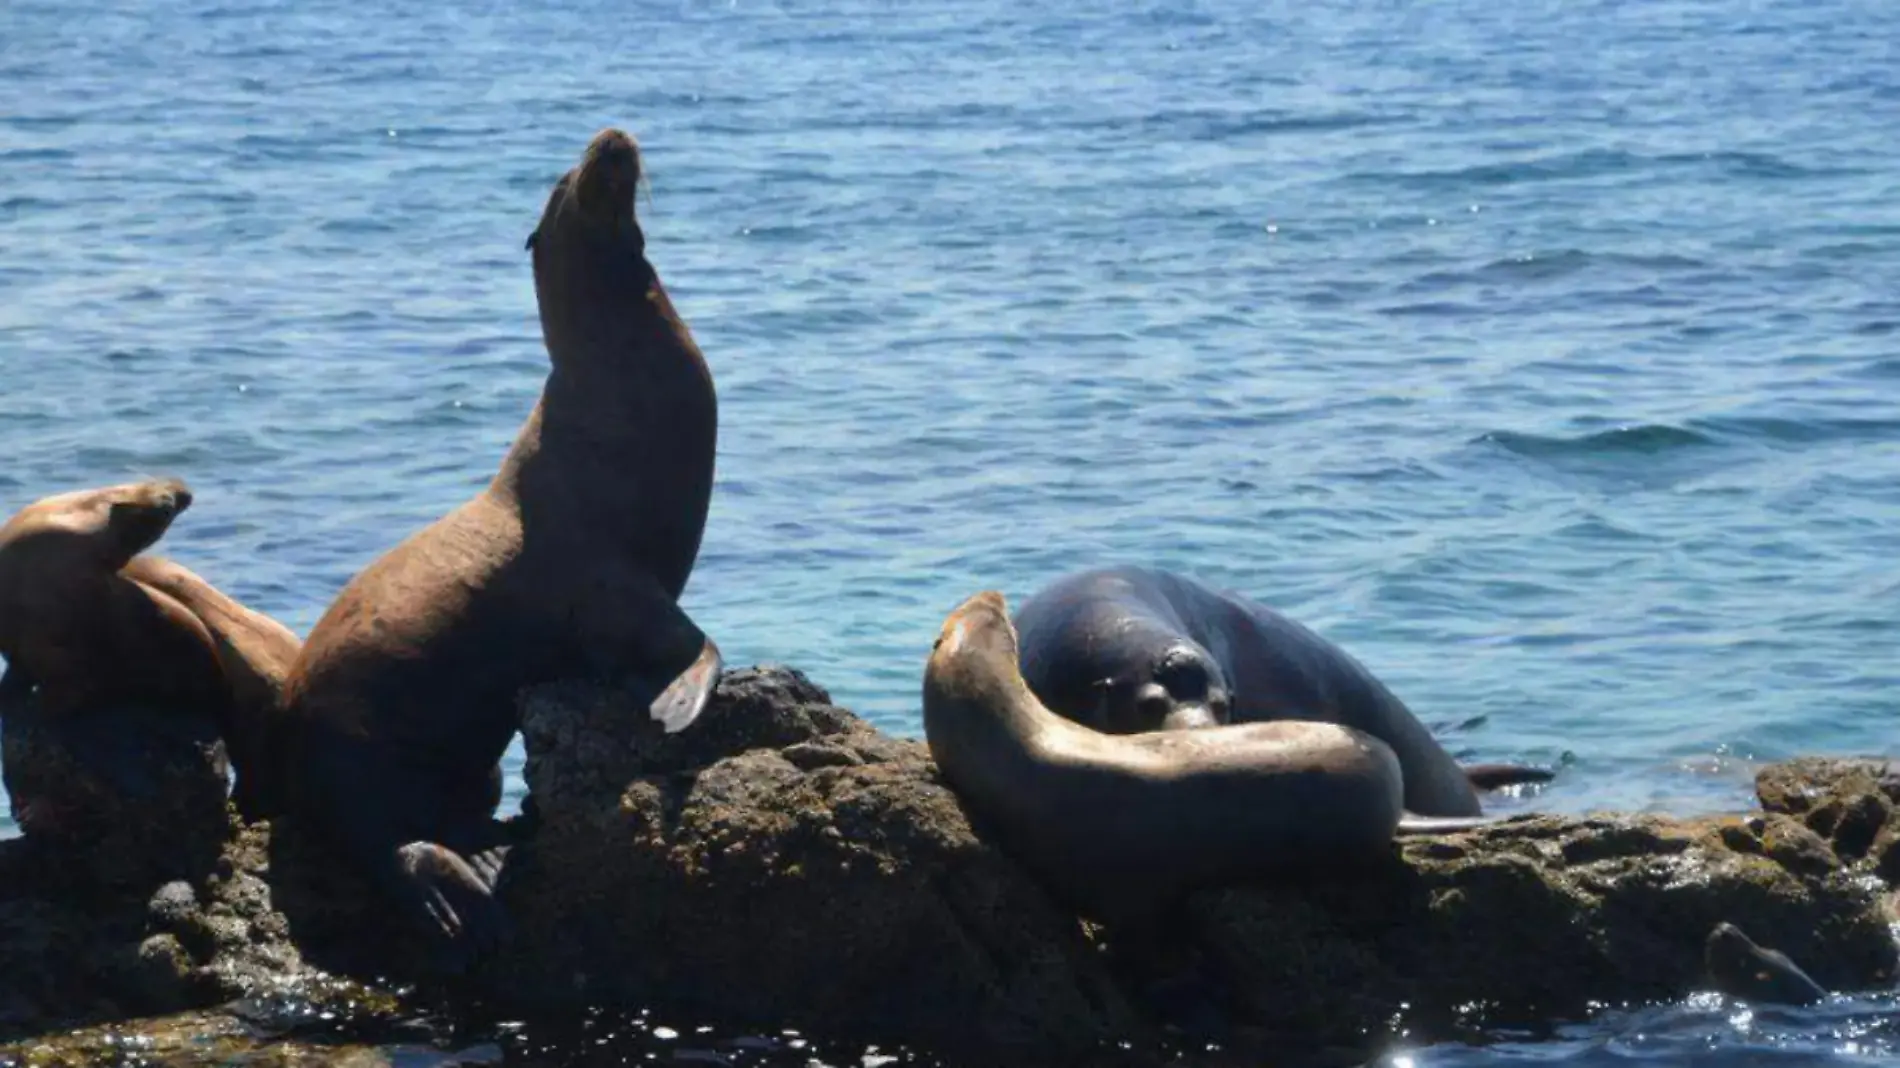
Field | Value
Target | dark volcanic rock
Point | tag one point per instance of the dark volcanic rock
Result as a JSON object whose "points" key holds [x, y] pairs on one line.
{"points": [[76, 951], [116, 795], [783, 864], [1535, 919], [133, 890], [1851, 802]]}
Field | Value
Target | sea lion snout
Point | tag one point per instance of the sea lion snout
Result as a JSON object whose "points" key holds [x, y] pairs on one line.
{"points": [[610, 172], [165, 498], [172, 495], [1189, 717], [1186, 694], [140, 517]]}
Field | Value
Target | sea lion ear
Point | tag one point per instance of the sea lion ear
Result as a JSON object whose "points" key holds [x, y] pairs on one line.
{"points": [[533, 236]]}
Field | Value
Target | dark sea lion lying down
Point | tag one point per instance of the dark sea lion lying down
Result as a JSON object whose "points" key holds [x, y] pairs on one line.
{"points": [[1131, 649], [1119, 825]]}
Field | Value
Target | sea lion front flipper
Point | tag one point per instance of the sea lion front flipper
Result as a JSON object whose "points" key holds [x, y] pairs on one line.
{"points": [[686, 696], [632, 629]]}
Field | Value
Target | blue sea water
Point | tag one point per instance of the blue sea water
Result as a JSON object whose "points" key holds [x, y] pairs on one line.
{"points": [[1546, 355]]}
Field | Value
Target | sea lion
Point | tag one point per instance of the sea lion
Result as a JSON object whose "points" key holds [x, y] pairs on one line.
{"points": [[1129, 649], [1741, 969], [92, 623], [256, 653], [570, 563], [77, 633], [1120, 825]]}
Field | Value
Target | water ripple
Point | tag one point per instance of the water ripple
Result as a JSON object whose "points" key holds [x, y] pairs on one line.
{"points": [[1543, 355]]}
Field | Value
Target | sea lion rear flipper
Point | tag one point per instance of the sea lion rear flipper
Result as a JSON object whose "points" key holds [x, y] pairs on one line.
{"points": [[455, 899], [1494, 776], [685, 697]]}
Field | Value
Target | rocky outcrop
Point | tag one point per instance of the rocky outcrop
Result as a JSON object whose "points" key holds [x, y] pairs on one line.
{"points": [[1535, 920], [783, 865], [133, 891], [1851, 803], [121, 797]]}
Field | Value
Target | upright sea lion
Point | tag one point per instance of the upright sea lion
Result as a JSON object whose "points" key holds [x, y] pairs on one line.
{"points": [[1129, 649], [1741, 969], [78, 632], [569, 564], [1119, 825], [256, 653]]}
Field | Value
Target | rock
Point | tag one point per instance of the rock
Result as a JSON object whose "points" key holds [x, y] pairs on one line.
{"points": [[119, 796], [77, 952], [1851, 802], [1531, 920], [782, 863], [1799, 786]]}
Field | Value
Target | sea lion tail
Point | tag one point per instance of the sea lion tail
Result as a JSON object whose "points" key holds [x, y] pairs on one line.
{"points": [[1495, 776], [1413, 823]]}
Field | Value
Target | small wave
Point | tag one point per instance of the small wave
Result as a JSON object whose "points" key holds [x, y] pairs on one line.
{"points": [[1534, 267], [1590, 163], [1432, 309], [1645, 439], [1217, 124], [1545, 265], [1751, 165], [37, 155], [1802, 431]]}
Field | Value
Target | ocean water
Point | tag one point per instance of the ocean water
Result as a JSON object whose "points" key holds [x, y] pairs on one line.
{"points": [[1545, 355]]}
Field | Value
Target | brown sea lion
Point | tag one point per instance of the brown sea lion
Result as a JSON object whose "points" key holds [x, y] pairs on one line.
{"points": [[1120, 825], [256, 652], [1741, 969], [1129, 649], [569, 564], [77, 632]]}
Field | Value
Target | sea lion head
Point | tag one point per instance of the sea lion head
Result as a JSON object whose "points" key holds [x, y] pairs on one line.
{"points": [[591, 275], [1740, 968], [1180, 689], [979, 626], [971, 678], [591, 206], [106, 527]]}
